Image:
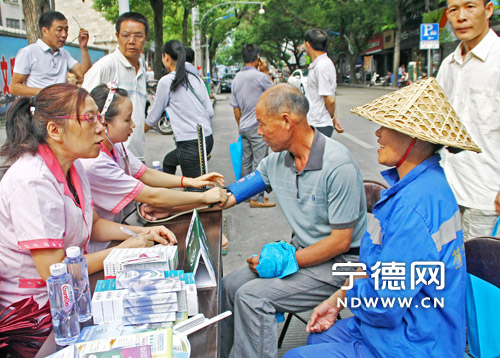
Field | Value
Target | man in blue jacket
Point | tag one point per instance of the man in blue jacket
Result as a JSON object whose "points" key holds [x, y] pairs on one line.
{"points": [[408, 299]]}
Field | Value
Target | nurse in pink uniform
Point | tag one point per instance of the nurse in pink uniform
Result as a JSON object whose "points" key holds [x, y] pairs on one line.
{"points": [[45, 196], [118, 179]]}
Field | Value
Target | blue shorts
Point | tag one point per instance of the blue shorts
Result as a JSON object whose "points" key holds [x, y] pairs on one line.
{"points": [[333, 343]]}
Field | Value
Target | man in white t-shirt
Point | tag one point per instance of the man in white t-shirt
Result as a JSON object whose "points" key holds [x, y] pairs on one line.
{"points": [[470, 77], [321, 84], [46, 62], [126, 69]]}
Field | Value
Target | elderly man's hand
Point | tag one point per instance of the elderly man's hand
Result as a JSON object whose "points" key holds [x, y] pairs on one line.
{"points": [[497, 203], [253, 261], [153, 213]]}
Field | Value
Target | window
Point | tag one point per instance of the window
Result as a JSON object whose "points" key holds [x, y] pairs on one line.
{"points": [[11, 1], [12, 23]]}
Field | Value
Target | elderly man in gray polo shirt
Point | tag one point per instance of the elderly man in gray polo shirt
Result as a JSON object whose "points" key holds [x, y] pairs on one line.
{"points": [[247, 87], [320, 190]]}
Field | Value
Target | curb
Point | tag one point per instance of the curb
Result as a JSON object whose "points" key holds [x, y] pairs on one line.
{"points": [[388, 89]]}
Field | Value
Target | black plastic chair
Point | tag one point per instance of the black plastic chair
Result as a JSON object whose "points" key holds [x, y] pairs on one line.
{"points": [[372, 193]]}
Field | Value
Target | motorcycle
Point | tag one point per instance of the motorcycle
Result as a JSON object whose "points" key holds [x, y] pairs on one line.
{"points": [[163, 126]]}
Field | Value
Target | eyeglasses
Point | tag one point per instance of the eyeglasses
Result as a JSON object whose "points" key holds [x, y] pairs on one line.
{"points": [[91, 118], [137, 35]]}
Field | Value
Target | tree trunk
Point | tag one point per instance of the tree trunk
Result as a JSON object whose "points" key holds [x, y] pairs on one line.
{"points": [[32, 10], [352, 68], [397, 42], [157, 6], [187, 11]]}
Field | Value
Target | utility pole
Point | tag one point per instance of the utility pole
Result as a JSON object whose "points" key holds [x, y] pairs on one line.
{"points": [[123, 6], [196, 41]]}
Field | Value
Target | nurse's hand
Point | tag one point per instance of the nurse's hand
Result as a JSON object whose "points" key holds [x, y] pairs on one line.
{"points": [[215, 195], [209, 179], [497, 203], [161, 233], [141, 240]]}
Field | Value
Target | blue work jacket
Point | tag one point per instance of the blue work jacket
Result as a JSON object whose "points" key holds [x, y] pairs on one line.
{"points": [[417, 221]]}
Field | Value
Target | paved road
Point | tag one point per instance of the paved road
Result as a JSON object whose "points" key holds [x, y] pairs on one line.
{"points": [[250, 229]]}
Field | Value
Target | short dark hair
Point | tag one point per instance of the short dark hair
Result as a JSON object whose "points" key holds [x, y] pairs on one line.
{"points": [[133, 16], [48, 18], [250, 53], [485, 2], [189, 54], [317, 38]]}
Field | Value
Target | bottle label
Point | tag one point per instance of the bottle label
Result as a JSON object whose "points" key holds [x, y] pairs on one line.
{"points": [[68, 297]]}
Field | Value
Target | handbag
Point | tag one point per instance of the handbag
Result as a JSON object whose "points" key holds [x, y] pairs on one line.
{"points": [[24, 327]]}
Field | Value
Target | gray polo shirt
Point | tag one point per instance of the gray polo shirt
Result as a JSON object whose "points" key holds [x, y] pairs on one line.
{"points": [[327, 194], [247, 87], [42, 66]]}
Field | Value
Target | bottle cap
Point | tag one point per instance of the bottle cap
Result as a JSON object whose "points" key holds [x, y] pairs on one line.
{"points": [[73, 251], [58, 269], [156, 164]]}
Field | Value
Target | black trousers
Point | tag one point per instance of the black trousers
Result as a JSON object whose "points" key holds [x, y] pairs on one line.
{"points": [[186, 155]]}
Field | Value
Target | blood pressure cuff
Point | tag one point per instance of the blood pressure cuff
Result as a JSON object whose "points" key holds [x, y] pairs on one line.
{"points": [[247, 187], [277, 259]]}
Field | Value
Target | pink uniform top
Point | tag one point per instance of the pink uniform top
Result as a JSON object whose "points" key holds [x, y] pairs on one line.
{"points": [[38, 211], [115, 184]]}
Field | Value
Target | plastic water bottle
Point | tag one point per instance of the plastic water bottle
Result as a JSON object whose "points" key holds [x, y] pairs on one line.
{"points": [[157, 165], [62, 305], [77, 267]]}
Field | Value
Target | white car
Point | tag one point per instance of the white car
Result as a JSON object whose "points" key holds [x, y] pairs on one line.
{"points": [[298, 78]]}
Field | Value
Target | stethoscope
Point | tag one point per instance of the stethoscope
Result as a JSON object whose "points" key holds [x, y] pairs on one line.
{"points": [[112, 89]]}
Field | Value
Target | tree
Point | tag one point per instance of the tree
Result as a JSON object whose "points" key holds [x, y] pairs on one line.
{"points": [[32, 10], [157, 6], [397, 41]]}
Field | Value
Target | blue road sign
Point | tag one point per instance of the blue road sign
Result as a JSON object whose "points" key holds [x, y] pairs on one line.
{"points": [[429, 36]]}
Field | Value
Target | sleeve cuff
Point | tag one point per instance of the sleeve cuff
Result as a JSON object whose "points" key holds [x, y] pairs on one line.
{"points": [[131, 196], [141, 171], [40, 244]]}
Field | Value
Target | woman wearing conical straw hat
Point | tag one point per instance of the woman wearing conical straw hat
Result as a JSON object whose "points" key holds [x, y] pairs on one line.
{"points": [[409, 298]]}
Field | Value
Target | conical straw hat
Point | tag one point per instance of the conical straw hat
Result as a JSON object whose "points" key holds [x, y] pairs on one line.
{"points": [[420, 110]]}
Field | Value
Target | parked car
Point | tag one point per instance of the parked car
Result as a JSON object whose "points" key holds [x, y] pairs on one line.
{"points": [[227, 81], [298, 78]]}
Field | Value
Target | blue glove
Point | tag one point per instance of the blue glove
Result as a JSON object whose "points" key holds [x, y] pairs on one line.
{"points": [[247, 187], [277, 259]]}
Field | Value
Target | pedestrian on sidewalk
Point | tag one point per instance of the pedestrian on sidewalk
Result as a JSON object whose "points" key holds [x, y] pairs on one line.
{"points": [[321, 84], [248, 85], [184, 96], [470, 77]]}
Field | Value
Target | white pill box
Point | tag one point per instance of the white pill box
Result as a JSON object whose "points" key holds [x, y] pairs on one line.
{"points": [[149, 318], [125, 279], [147, 310], [149, 300], [138, 288], [145, 258]]}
